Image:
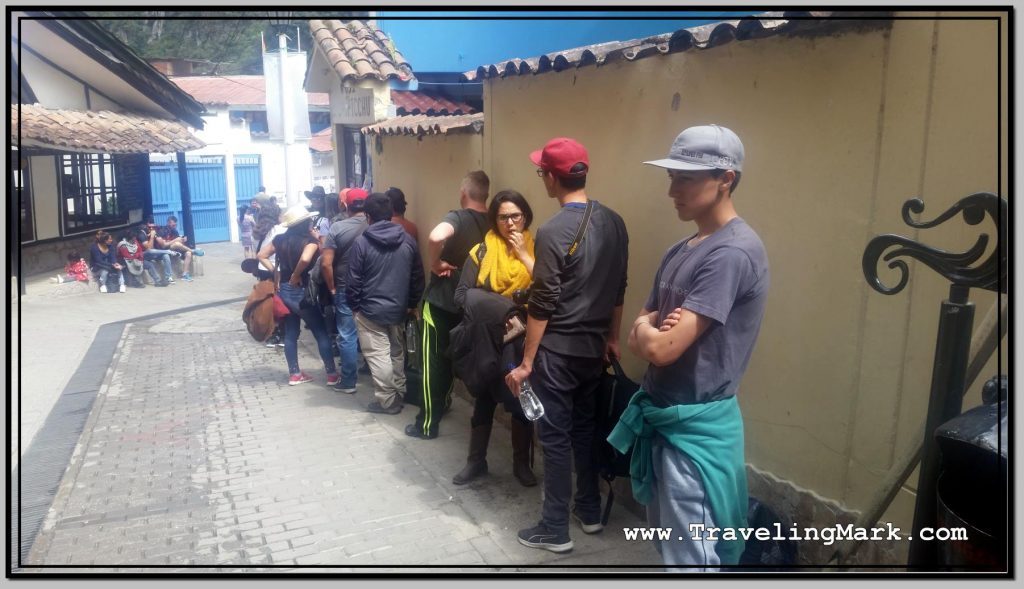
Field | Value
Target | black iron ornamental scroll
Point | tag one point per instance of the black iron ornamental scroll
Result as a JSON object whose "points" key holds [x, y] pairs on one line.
{"points": [[954, 337], [990, 275]]}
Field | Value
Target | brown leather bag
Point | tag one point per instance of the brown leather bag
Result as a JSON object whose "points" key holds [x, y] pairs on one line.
{"points": [[258, 314]]}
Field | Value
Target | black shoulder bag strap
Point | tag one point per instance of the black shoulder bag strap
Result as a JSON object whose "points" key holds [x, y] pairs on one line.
{"points": [[581, 231]]}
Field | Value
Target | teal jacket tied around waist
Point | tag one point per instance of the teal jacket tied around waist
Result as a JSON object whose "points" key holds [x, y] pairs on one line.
{"points": [[711, 436]]}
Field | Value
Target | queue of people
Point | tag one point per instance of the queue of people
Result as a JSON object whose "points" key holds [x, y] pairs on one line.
{"points": [[551, 302]]}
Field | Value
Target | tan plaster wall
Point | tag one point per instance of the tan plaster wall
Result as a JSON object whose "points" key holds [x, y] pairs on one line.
{"points": [[839, 131], [429, 171]]}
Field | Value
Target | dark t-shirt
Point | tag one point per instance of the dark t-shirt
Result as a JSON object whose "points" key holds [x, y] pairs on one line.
{"points": [[288, 249], [470, 227], [166, 233], [578, 295], [724, 278], [340, 239]]}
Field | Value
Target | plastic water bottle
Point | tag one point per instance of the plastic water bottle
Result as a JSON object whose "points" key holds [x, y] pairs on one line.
{"points": [[532, 407]]}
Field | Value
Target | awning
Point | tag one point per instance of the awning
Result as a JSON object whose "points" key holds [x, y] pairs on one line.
{"points": [[426, 125], [98, 131]]}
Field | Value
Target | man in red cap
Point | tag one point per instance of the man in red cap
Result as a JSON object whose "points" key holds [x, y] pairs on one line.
{"points": [[334, 266], [575, 310]]}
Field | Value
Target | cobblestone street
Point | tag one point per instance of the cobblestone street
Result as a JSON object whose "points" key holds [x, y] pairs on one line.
{"points": [[197, 453]]}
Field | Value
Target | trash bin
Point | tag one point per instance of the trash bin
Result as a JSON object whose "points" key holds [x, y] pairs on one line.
{"points": [[972, 486]]}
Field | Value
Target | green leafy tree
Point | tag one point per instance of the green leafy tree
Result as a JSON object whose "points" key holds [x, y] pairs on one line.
{"points": [[229, 41]]}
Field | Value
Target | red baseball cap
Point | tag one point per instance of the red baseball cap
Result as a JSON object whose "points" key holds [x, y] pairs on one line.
{"points": [[355, 194], [560, 155]]}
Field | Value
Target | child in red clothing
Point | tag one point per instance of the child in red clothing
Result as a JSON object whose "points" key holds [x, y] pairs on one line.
{"points": [[76, 270]]}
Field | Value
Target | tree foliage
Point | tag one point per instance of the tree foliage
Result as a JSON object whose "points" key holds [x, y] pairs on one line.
{"points": [[229, 41]]}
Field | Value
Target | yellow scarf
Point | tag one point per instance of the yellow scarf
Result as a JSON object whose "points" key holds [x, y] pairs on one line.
{"points": [[500, 269]]}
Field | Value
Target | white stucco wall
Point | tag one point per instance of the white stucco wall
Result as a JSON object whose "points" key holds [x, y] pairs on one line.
{"points": [[53, 88]]}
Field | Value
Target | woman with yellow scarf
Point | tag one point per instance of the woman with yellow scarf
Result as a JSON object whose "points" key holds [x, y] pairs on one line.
{"points": [[502, 264]]}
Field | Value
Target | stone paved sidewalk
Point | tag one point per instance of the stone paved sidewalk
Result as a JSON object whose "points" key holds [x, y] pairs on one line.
{"points": [[197, 453]]}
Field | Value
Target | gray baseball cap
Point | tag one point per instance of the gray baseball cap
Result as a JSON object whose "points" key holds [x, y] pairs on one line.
{"points": [[706, 147]]}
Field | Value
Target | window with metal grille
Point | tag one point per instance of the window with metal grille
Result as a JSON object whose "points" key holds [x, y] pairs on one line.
{"points": [[20, 180], [88, 189]]}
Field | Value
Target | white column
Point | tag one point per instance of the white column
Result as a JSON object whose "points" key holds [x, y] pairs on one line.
{"points": [[288, 129]]}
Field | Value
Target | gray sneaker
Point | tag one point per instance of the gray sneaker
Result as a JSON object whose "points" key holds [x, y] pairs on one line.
{"points": [[540, 536]]}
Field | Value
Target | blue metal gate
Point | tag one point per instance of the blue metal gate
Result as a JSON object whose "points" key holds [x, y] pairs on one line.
{"points": [[208, 188], [247, 178]]}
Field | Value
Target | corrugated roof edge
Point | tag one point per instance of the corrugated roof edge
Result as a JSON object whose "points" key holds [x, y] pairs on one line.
{"points": [[427, 125], [768, 24]]}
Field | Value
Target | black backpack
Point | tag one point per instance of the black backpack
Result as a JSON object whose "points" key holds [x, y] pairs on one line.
{"points": [[612, 397], [771, 554]]}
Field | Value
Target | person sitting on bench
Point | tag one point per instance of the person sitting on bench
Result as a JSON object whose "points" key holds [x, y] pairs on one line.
{"points": [[168, 238]]}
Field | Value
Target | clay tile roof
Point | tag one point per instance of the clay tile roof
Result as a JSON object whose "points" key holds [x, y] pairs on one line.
{"points": [[321, 141], [358, 50], [232, 90], [767, 24], [427, 125], [99, 131], [420, 103]]}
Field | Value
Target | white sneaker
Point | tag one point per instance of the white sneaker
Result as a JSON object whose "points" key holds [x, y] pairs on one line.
{"points": [[103, 288], [121, 289]]}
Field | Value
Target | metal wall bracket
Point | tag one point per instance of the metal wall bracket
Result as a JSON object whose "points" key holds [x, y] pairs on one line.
{"points": [[956, 267], [953, 340]]}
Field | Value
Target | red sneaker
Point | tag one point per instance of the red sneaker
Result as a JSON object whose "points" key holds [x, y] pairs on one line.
{"points": [[333, 379], [299, 378]]}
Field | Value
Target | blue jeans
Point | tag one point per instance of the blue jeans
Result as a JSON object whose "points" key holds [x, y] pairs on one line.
{"points": [[164, 255], [315, 322], [348, 340], [151, 270]]}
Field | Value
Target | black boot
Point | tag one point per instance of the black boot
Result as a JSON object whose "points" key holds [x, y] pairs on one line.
{"points": [[522, 443], [476, 464]]}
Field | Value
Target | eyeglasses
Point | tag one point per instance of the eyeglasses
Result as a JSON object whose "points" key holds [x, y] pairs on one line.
{"points": [[540, 172], [514, 217]]}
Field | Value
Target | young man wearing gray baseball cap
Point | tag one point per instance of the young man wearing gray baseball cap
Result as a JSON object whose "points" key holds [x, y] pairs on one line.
{"points": [[697, 330]]}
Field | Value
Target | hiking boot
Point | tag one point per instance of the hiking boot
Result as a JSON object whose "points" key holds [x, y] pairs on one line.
{"points": [[589, 525], [476, 463], [299, 378], [540, 536], [375, 407]]}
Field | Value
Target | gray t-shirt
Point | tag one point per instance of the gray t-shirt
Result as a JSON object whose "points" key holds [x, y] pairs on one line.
{"points": [[724, 278], [340, 239]]}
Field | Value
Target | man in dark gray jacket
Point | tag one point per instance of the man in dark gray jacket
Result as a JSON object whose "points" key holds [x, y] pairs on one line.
{"points": [[575, 310], [383, 286]]}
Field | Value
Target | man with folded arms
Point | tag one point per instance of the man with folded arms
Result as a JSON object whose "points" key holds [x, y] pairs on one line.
{"points": [[697, 330]]}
